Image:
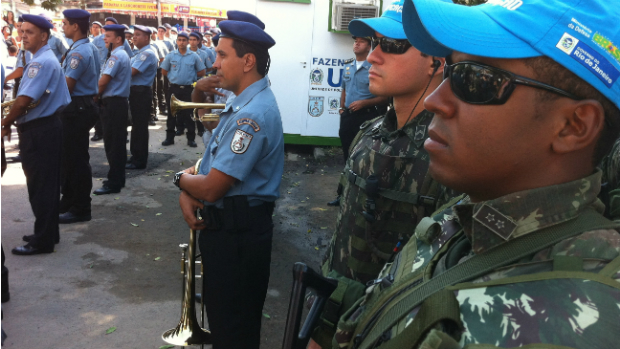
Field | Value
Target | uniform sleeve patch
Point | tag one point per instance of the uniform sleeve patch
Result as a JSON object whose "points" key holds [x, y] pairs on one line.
{"points": [[74, 63], [143, 57], [111, 63], [247, 121], [33, 70], [240, 142]]}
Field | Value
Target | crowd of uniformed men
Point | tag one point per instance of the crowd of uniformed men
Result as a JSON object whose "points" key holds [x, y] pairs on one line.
{"points": [[117, 76]]}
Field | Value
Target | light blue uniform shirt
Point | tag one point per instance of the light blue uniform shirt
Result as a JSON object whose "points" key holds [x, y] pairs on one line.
{"points": [[355, 83], [69, 41], [43, 74], [144, 61], [248, 144], [119, 68], [205, 58], [82, 65], [182, 69], [169, 44], [210, 56], [58, 44], [99, 42], [21, 55]]}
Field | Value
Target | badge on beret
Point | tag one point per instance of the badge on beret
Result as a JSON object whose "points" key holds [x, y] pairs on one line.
{"points": [[33, 71], [142, 57], [240, 142], [74, 63]]}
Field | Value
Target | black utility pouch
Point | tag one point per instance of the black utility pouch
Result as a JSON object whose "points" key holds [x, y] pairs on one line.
{"points": [[236, 214]]}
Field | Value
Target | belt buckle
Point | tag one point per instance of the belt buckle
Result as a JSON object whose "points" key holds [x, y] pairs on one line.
{"points": [[181, 86]]}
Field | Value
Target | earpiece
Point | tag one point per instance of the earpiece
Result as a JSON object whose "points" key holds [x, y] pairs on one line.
{"points": [[436, 65]]}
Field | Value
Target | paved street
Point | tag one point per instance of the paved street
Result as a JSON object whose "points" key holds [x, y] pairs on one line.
{"points": [[120, 272]]}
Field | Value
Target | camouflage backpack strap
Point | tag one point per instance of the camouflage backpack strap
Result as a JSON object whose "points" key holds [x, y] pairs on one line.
{"points": [[398, 302]]}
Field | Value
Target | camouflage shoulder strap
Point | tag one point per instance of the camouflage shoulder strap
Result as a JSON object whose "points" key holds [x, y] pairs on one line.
{"points": [[400, 301]]}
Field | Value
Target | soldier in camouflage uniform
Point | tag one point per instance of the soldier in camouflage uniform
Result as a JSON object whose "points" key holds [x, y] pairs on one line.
{"points": [[391, 149], [526, 259]]}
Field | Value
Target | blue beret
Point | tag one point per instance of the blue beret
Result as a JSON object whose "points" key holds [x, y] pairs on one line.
{"points": [[162, 27], [196, 35], [97, 23], [167, 26], [111, 19], [183, 35], [247, 32], [39, 21], [126, 26], [216, 37], [129, 31], [174, 29], [142, 29], [245, 17], [47, 18], [76, 14], [114, 27]]}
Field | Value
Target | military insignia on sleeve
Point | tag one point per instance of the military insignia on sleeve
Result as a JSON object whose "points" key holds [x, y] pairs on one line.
{"points": [[143, 57], [33, 70], [111, 64], [248, 121], [74, 63], [240, 142]]}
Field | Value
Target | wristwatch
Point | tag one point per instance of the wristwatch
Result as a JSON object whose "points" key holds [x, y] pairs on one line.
{"points": [[177, 179]]}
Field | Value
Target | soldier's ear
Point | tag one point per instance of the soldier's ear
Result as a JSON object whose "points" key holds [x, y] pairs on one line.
{"points": [[249, 62]]}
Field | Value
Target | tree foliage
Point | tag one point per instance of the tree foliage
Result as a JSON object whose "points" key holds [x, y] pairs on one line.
{"points": [[49, 5]]}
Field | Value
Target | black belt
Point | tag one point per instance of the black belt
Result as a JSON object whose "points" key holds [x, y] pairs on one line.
{"points": [[236, 217], [139, 88], [181, 86], [36, 123]]}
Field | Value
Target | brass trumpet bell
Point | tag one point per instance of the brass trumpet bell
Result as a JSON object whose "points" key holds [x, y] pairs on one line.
{"points": [[176, 105]]}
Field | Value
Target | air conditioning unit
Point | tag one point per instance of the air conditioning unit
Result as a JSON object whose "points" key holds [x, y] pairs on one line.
{"points": [[344, 13]]}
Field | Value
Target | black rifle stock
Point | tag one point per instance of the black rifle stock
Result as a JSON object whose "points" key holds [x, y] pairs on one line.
{"points": [[304, 277]]}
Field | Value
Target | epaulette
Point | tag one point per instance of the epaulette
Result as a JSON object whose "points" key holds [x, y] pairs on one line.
{"points": [[347, 61]]}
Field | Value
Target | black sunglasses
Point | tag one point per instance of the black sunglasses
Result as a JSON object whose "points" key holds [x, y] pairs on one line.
{"points": [[395, 46], [477, 83]]}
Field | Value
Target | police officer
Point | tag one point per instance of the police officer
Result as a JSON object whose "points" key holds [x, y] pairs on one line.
{"points": [[161, 51], [170, 38], [143, 71], [40, 132], [182, 67], [238, 182], [357, 104], [129, 40], [162, 92], [56, 42], [113, 93], [99, 42], [194, 46], [81, 69], [95, 30]]}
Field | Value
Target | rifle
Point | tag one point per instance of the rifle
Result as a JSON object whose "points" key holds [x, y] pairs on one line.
{"points": [[304, 277]]}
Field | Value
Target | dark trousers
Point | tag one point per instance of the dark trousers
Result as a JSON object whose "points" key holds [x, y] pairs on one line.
{"points": [[236, 277], [350, 125], [184, 116], [114, 122], [154, 99], [76, 175], [139, 99], [162, 91], [41, 157]]}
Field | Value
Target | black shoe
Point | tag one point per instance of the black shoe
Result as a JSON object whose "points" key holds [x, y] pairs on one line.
{"points": [[16, 158], [168, 142], [27, 238], [199, 134], [129, 160], [134, 167], [96, 138], [155, 118], [6, 296], [68, 218], [163, 111], [127, 140], [179, 133], [106, 190], [152, 122], [30, 250], [336, 202], [191, 143]]}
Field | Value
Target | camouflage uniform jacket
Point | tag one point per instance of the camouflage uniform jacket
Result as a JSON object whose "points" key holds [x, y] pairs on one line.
{"points": [[398, 159], [566, 312]]}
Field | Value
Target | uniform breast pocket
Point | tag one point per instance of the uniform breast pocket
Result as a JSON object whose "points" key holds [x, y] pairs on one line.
{"points": [[174, 65], [362, 81], [394, 172], [188, 66]]}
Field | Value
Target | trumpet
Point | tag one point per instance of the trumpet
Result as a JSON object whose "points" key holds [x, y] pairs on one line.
{"points": [[188, 332], [6, 106], [176, 105]]}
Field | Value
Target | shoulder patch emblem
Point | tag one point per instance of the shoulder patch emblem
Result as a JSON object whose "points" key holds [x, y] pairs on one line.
{"points": [[74, 63], [143, 57], [240, 142], [111, 63], [33, 71], [248, 121]]}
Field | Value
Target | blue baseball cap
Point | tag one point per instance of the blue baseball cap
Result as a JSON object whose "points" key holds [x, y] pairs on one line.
{"points": [[247, 32], [578, 34], [245, 17], [390, 24], [111, 19], [183, 35], [39, 21], [76, 14]]}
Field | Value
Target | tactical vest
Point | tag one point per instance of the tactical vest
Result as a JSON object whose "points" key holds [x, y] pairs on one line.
{"points": [[385, 191], [383, 318]]}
